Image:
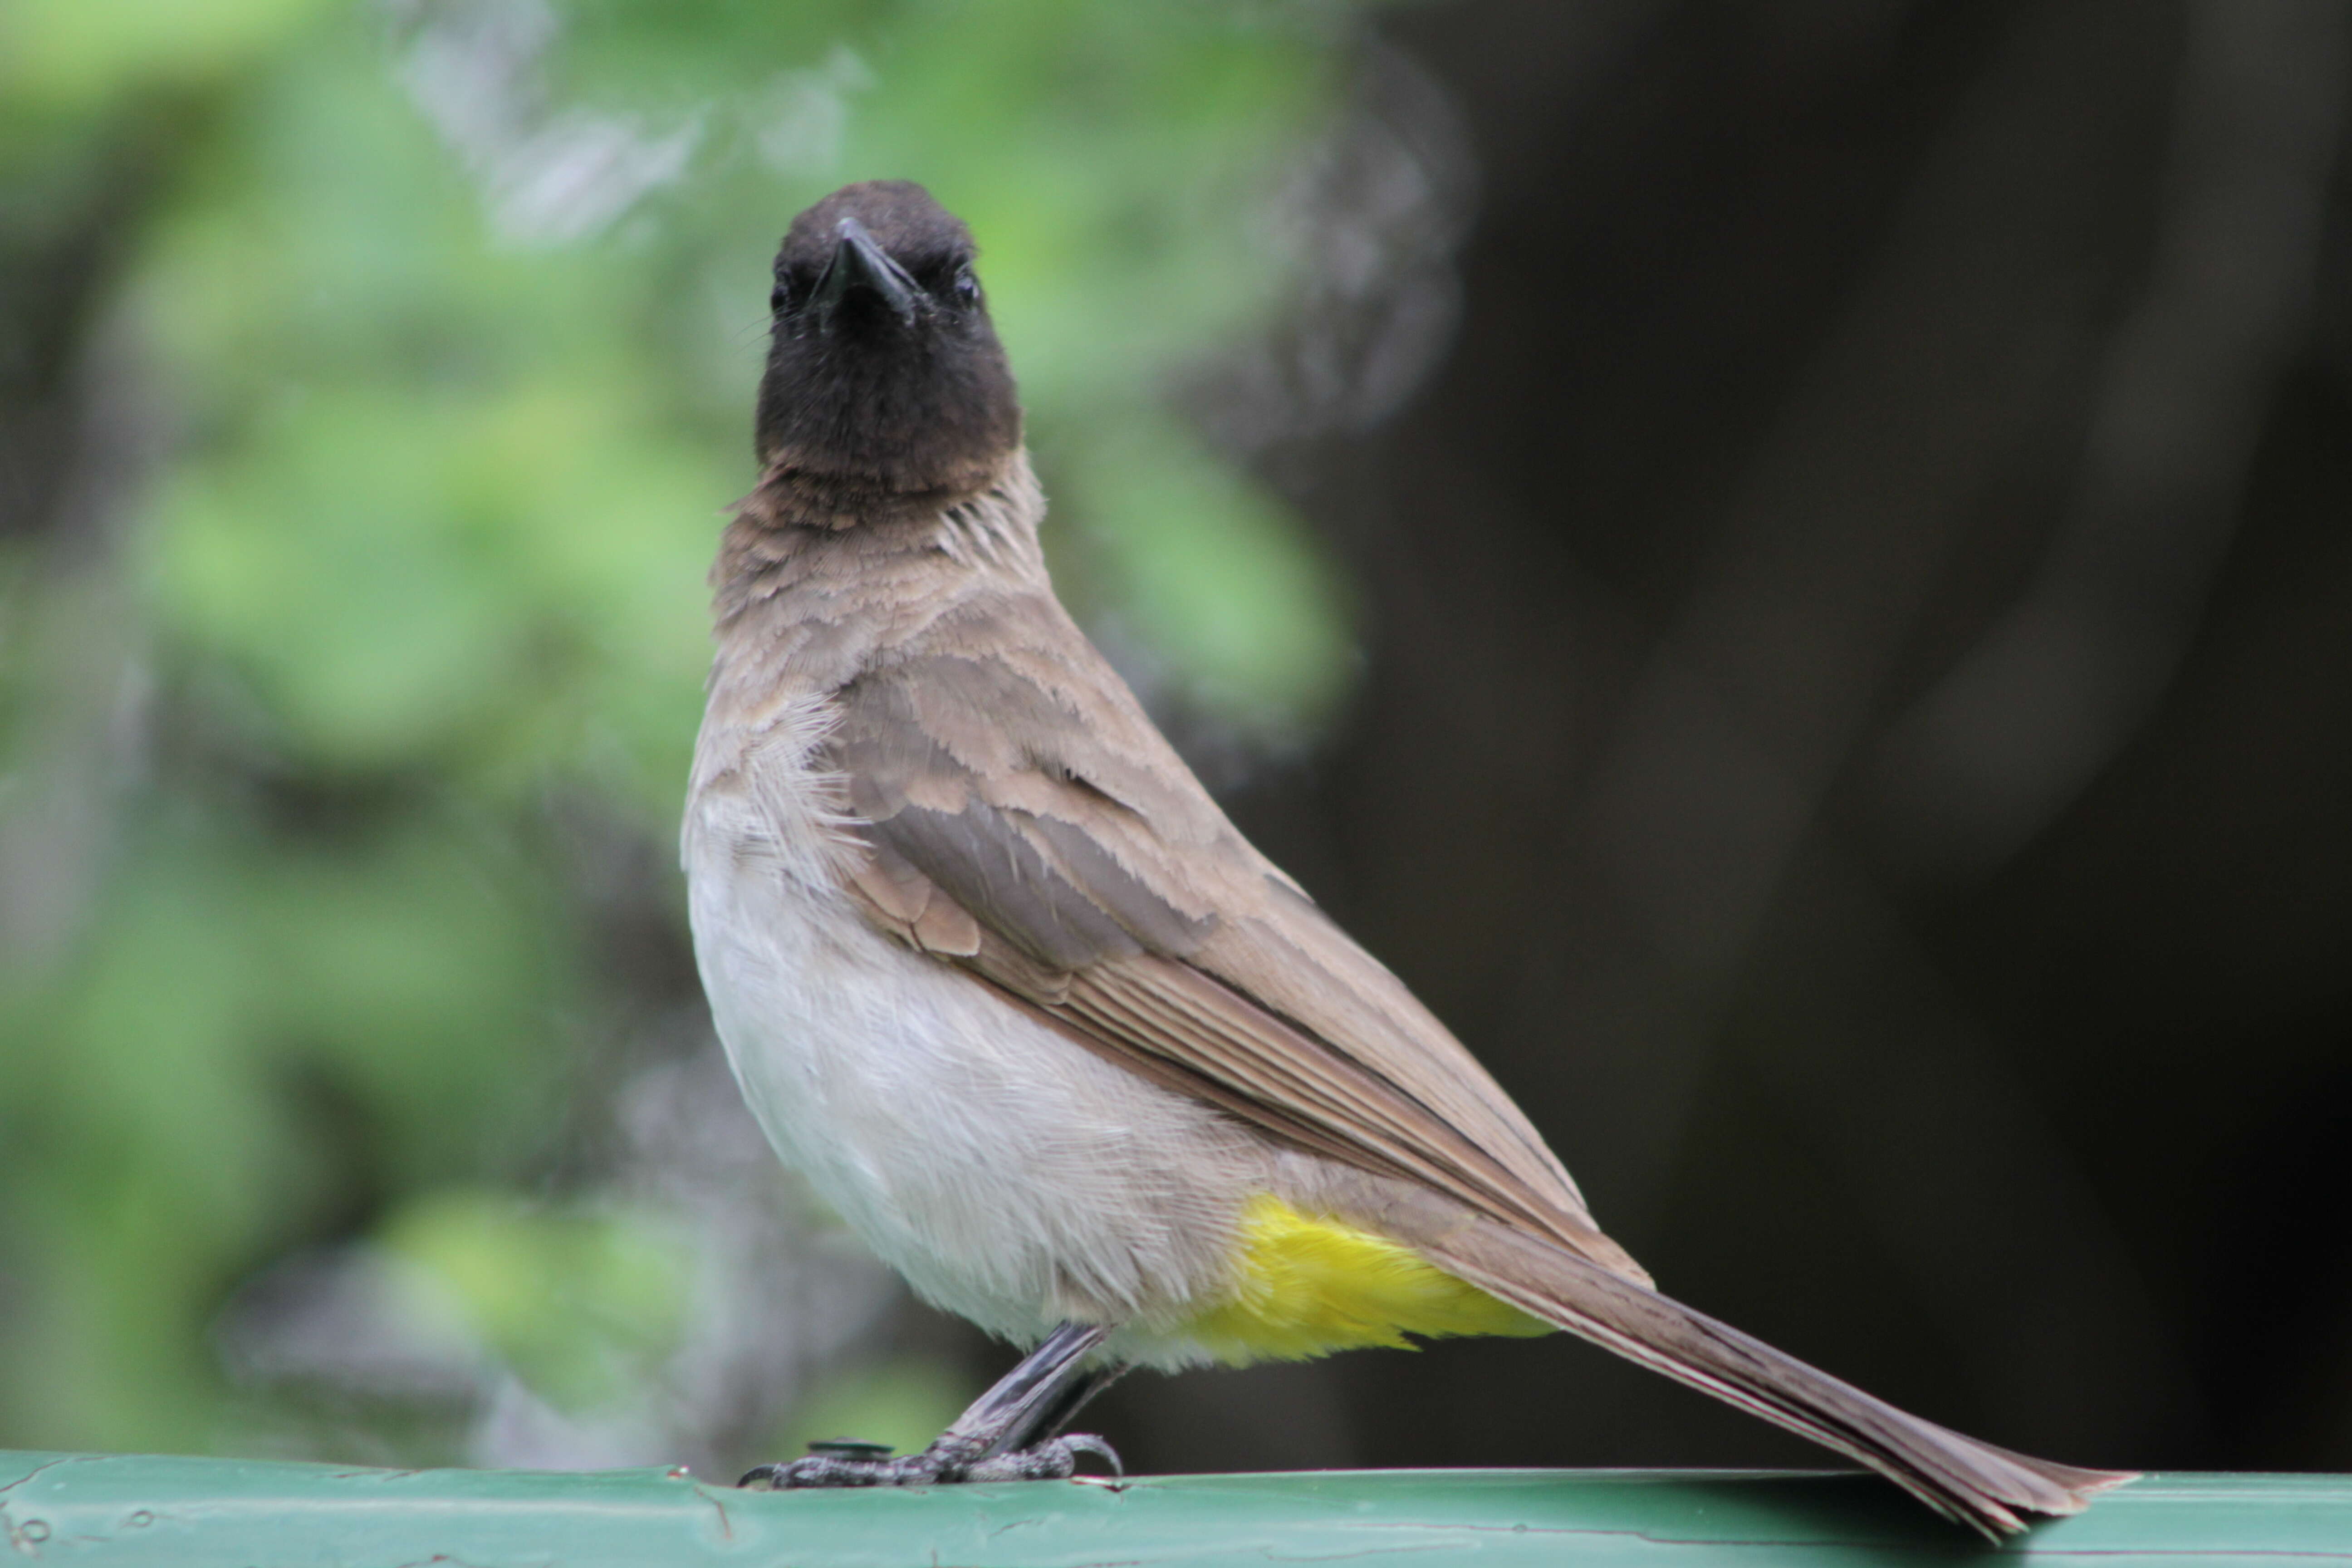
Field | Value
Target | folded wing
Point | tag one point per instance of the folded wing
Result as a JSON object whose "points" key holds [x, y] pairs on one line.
{"points": [[1027, 821]]}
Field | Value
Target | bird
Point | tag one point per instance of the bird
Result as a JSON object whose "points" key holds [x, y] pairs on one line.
{"points": [[1000, 979]]}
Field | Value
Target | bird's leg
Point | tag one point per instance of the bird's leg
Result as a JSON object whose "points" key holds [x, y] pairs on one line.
{"points": [[1008, 1434], [1074, 1397], [1010, 1429]]}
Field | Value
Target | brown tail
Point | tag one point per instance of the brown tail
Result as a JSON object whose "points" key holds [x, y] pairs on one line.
{"points": [[1959, 1477]]}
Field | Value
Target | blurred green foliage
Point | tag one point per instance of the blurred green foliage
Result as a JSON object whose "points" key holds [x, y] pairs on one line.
{"points": [[453, 313], [577, 1303]]}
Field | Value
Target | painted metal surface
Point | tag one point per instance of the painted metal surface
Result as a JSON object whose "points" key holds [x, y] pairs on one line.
{"points": [[89, 1509]]}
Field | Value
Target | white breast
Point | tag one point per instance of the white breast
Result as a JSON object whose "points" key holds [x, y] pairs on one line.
{"points": [[1010, 1175]]}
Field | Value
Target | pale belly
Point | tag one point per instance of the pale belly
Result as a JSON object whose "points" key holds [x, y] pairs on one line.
{"points": [[1010, 1175]]}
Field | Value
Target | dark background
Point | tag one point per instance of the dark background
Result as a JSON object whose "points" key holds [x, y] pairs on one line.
{"points": [[1859, 726]]}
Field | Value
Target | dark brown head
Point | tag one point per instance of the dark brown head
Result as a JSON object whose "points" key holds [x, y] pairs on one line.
{"points": [[885, 382]]}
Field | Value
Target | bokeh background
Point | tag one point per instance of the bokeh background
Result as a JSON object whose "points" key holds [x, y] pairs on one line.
{"points": [[1788, 564]]}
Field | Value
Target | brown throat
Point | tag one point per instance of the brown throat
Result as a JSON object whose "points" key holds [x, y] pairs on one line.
{"points": [[795, 522], [789, 496]]}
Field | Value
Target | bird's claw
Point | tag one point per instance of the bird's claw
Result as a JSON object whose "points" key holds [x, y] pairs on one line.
{"points": [[943, 1463], [1055, 1459]]}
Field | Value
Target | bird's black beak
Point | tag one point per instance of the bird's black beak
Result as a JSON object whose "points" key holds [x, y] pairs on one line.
{"points": [[860, 268]]}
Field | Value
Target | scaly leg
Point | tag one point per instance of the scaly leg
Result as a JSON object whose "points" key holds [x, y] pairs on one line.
{"points": [[1008, 1434]]}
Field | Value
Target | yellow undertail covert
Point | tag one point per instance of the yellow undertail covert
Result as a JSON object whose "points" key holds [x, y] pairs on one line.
{"points": [[1310, 1287]]}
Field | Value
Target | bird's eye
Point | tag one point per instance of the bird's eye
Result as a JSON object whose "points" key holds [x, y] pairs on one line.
{"points": [[967, 287], [794, 284]]}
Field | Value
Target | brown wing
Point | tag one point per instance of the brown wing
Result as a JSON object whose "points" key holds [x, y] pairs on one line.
{"points": [[1028, 821]]}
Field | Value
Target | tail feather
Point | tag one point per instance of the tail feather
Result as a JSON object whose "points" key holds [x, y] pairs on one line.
{"points": [[1966, 1480]]}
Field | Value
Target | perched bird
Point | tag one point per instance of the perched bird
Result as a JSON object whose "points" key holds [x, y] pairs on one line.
{"points": [[999, 978]]}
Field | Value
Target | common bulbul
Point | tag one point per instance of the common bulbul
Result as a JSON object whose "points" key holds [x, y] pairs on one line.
{"points": [[1000, 979]]}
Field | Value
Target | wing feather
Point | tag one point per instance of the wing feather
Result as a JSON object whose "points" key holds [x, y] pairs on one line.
{"points": [[1028, 822]]}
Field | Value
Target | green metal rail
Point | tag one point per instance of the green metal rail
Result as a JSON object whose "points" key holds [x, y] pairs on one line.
{"points": [[228, 1513]]}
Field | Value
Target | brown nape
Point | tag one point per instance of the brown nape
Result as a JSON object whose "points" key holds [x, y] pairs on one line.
{"points": [[886, 392]]}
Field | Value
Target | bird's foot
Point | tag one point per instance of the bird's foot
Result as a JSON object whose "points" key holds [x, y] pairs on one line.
{"points": [[947, 1461]]}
